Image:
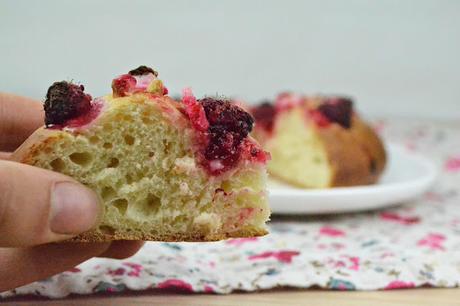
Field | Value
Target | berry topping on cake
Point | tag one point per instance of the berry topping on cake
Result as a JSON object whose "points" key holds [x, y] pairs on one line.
{"points": [[337, 109], [227, 115], [122, 85], [195, 111], [141, 79], [229, 125], [161, 169], [65, 101], [264, 114], [141, 70], [224, 128], [319, 118], [286, 101]]}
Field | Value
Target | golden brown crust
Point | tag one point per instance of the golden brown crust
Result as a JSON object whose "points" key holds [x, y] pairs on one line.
{"points": [[357, 155], [36, 143], [97, 236]]}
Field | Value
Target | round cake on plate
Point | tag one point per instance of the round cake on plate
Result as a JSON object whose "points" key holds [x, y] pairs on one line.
{"points": [[318, 142]]}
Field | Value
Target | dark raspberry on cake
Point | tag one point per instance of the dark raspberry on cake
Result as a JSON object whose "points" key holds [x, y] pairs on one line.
{"points": [[65, 101], [141, 70], [338, 109], [229, 125], [223, 128], [319, 118], [264, 114], [224, 113]]}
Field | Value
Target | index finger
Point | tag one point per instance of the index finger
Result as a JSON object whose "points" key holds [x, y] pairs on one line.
{"points": [[19, 117]]}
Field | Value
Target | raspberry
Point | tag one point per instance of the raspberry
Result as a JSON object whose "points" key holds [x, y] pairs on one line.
{"points": [[141, 70], [253, 152], [226, 114], [123, 85], [338, 109], [229, 125], [318, 117], [286, 101], [194, 111], [222, 127], [264, 114], [65, 101]]}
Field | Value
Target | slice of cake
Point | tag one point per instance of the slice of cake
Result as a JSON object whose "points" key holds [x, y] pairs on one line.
{"points": [[164, 170], [318, 142]]}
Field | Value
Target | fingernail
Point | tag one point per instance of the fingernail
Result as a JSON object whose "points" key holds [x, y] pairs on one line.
{"points": [[74, 208]]}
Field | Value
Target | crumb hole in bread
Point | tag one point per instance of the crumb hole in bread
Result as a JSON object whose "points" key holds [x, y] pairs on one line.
{"points": [[94, 139], [129, 140], [151, 154], [181, 219], [81, 158], [106, 229], [153, 203], [129, 178], [146, 120], [48, 150], [113, 163], [57, 165], [226, 186], [107, 145], [121, 205], [138, 175], [166, 145], [108, 193], [107, 127]]}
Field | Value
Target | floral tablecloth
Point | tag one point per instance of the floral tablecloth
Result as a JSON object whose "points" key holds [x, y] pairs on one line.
{"points": [[415, 244]]}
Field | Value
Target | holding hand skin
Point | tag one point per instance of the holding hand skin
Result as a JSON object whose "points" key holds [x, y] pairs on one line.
{"points": [[38, 207]]}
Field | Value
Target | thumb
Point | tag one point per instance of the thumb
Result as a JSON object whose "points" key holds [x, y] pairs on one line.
{"points": [[39, 206]]}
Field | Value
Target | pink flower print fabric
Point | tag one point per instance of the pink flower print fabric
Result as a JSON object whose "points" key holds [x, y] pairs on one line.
{"points": [[412, 245]]}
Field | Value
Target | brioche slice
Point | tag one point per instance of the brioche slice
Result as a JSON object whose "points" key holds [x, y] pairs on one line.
{"points": [[164, 170], [318, 142]]}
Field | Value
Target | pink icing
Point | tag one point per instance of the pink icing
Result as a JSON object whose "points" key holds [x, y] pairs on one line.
{"points": [[85, 119], [286, 101], [128, 84], [143, 81], [194, 111]]}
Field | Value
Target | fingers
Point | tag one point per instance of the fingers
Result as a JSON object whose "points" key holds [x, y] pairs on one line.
{"points": [[122, 249], [5, 155], [19, 117], [22, 266], [39, 206]]}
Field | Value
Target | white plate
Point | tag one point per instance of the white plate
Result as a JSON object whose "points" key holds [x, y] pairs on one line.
{"points": [[407, 176]]}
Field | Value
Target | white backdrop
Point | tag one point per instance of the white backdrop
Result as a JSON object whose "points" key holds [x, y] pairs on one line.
{"points": [[395, 57]]}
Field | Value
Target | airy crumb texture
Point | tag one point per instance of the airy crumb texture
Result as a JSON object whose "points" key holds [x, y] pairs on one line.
{"points": [[139, 156]]}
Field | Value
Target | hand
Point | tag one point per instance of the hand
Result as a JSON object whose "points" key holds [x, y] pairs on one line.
{"points": [[38, 207]]}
